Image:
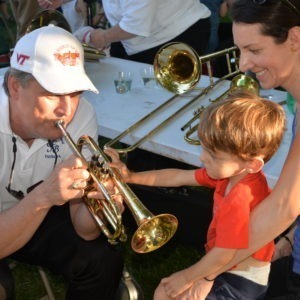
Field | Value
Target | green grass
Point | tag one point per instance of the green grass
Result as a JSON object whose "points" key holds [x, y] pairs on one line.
{"points": [[29, 286], [147, 269], [150, 268]]}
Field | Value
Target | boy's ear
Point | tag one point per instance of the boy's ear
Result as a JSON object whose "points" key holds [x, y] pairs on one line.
{"points": [[294, 38], [255, 165]]}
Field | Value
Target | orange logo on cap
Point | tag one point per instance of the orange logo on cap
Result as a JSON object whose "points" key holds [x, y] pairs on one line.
{"points": [[68, 58]]}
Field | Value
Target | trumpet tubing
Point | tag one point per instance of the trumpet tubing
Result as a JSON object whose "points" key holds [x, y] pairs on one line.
{"points": [[153, 231]]}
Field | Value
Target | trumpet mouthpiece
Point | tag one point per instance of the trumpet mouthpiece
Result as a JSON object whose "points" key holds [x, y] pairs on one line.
{"points": [[59, 123]]}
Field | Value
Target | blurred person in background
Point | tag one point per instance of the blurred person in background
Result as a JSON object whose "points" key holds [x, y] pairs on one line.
{"points": [[25, 11], [139, 28]]}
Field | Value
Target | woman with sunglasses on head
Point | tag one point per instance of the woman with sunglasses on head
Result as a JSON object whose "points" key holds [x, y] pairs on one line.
{"points": [[267, 32], [274, 57]]}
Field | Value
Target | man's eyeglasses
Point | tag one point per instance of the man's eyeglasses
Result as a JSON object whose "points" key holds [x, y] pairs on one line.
{"points": [[286, 2]]}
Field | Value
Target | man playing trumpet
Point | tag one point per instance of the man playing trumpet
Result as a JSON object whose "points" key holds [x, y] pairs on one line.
{"points": [[43, 220]]}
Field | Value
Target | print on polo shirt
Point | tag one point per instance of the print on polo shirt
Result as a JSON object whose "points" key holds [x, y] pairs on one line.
{"points": [[53, 151]]}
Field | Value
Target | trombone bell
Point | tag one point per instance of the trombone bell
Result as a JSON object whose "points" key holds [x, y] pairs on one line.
{"points": [[177, 67]]}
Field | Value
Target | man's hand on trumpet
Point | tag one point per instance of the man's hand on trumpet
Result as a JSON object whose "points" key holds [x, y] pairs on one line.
{"points": [[112, 190], [66, 182]]}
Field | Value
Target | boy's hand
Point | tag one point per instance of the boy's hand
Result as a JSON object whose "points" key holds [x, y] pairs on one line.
{"points": [[118, 164], [175, 284], [198, 291]]}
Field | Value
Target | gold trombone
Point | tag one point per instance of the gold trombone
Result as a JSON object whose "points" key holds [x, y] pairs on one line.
{"points": [[178, 68], [241, 81], [52, 16], [153, 231]]}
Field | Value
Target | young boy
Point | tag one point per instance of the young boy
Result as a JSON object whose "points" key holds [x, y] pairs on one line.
{"points": [[238, 135]]}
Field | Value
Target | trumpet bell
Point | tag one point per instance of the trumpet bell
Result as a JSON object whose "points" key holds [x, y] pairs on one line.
{"points": [[154, 233], [177, 67]]}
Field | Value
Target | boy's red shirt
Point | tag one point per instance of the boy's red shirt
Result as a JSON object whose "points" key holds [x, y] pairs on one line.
{"points": [[229, 227]]}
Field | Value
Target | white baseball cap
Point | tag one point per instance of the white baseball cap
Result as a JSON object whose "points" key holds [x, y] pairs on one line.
{"points": [[55, 58]]}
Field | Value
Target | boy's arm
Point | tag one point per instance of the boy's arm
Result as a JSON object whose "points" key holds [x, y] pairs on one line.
{"points": [[164, 178], [216, 258], [178, 282]]}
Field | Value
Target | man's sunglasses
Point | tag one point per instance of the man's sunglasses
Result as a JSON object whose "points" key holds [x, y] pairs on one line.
{"points": [[19, 194], [286, 2]]}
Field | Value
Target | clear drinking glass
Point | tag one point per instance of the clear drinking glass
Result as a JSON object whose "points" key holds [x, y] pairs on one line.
{"points": [[123, 81], [148, 76]]}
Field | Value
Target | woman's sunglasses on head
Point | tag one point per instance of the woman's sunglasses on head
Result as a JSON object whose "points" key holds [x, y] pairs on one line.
{"points": [[286, 2]]}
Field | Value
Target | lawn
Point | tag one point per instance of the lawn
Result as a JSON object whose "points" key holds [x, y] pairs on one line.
{"points": [[147, 269]]}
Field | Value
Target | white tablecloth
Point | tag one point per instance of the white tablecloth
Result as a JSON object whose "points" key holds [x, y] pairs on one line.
{"points": [[117, 112]]}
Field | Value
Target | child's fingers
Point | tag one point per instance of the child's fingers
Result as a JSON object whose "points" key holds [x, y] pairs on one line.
{"points": [[114, 155]]}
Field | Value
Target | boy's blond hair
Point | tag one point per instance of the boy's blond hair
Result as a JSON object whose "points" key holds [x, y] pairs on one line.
{"points": [[243, 124]]}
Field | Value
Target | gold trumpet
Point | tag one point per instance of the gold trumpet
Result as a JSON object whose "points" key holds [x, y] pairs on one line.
{"points": [[239, 82], [153, 231], [52, 16], [178, 68]]}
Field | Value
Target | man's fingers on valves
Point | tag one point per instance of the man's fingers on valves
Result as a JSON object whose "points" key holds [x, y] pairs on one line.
{"points": [[78, 185]]}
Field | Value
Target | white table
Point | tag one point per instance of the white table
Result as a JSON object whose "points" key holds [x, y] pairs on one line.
{"points": [[117, 112]]}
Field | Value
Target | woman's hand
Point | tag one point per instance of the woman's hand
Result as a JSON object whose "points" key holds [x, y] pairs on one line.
{"points": [[282, 248]]}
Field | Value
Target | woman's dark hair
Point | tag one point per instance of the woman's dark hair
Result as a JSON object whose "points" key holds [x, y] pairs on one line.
{"points": [[275, 16]]}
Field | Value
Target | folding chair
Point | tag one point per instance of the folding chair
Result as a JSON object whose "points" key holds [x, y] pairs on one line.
{"points": [[45, 281]]}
